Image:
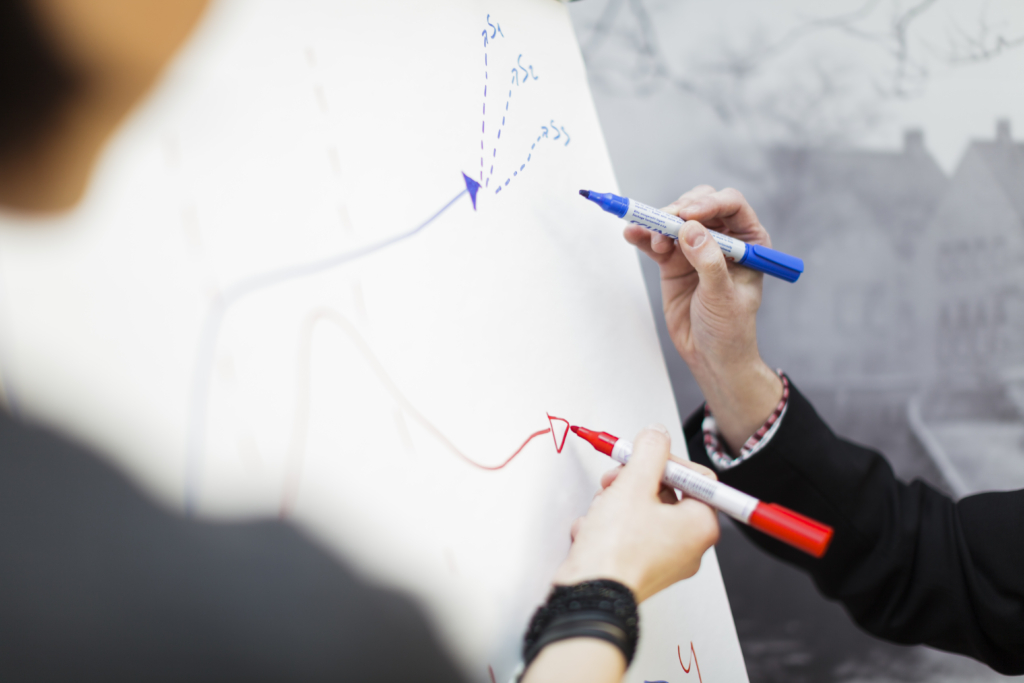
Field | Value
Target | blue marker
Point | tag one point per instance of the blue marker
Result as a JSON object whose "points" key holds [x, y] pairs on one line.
{"points": [[753, 256]]}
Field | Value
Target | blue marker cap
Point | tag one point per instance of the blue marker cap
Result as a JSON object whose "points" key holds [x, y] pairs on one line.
{"points": [[773, 262]]}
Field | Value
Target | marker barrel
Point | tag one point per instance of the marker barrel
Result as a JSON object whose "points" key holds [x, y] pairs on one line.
{"points": [[732, 502], [755, 256], [781, 523]]}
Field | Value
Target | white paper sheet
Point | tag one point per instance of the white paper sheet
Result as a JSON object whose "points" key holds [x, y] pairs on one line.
{"points": [[279, 298]]}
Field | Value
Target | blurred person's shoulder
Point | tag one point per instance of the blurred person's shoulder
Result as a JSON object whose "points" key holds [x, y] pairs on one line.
{"points": [[96, 572]]}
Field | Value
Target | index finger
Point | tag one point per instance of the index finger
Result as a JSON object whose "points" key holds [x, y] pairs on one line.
{"points": [[727, 209], [672, 263], [690, 197]]}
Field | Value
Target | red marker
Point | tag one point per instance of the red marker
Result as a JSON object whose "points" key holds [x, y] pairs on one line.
{"points": [[803, 533]]}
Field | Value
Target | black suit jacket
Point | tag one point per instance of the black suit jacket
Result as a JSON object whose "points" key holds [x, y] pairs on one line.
{"points": [[908, 563], [99, 584]]}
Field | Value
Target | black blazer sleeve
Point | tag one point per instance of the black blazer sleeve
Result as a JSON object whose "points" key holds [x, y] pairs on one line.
{"points": [[99, 584], [909, 564]]}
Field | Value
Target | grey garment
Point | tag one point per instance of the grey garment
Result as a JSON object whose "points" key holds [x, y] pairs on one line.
{"points": [[99, 584]]}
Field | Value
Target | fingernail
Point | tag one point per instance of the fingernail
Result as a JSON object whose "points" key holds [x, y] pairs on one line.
{"points": [[688, 208], [658, 428], [695, 234]]}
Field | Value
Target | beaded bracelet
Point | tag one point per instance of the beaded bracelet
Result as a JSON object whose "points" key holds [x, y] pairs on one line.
{"points": [[600, 609]]}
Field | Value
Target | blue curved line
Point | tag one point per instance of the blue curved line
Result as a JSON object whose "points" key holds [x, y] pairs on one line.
{"points": [[211, 330]]}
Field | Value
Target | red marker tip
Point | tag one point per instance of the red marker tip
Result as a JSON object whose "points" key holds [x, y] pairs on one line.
{"points": [[602, 441]]}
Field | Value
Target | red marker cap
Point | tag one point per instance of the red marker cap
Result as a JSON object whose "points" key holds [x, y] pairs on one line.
{"points": [[791, 527]]}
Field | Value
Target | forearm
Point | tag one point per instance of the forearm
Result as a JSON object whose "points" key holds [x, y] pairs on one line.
{"points": [[741, 397], [586, 660]]}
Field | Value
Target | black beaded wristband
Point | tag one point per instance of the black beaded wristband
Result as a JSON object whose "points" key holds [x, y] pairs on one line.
{"points": [[600, 609]]}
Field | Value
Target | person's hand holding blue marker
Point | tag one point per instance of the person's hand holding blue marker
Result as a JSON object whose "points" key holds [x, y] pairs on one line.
{"points": [[710, 306], [755, 256], [907, 562]]}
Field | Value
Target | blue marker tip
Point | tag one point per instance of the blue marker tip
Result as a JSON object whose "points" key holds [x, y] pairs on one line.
{"points": [[612, 203]]}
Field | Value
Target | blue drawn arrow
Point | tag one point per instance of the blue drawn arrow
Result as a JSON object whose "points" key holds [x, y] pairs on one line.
{"points": [[472, 187]]}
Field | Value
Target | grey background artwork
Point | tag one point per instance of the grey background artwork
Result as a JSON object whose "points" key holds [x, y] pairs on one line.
{"points": [[875, 140]]}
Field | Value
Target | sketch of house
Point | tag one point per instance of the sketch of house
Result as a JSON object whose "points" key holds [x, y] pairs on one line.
{"points": [[856, 217], [914, 316], [977, 243], [914, 275], [970, 416]]}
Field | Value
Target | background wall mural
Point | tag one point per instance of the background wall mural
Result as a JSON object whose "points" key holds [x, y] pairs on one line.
{"points": [[876, 140]]}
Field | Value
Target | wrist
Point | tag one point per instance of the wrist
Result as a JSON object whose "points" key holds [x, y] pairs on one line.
{"points": [[741, 397], [570, 574], [577, 659], [601, 610]]}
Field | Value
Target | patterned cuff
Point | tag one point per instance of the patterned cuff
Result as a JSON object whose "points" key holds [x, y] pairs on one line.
{"points": [[714, 446]]}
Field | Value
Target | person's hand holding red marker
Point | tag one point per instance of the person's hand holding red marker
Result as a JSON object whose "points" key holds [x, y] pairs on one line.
{"points": [[781, 523]]}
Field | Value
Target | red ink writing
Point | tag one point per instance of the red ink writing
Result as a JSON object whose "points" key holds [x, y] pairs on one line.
{"points": [[300, 425], [559, 445], [693, 661]]}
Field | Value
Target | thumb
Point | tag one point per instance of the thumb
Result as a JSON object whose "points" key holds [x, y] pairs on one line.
{"points": [[705, 256], [642, 474]]}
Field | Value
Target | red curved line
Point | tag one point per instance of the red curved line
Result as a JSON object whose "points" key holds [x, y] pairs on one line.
{"points": [[491, 468], [297, 447], [558, 446]]}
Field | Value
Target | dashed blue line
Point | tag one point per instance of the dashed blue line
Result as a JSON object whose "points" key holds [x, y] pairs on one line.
{"points": [[522, 167], [483, 124]]}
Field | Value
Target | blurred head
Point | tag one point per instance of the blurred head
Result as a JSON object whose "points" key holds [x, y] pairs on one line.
{"points": [[71, 70]]}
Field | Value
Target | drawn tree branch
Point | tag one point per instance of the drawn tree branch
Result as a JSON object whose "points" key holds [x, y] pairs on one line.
{"points": [[984, 44], [822, 105]]}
